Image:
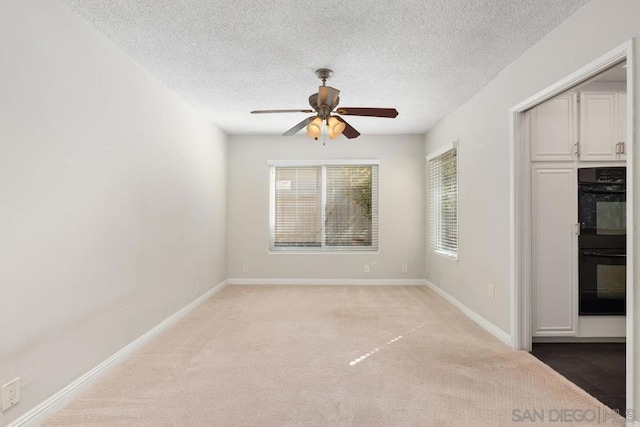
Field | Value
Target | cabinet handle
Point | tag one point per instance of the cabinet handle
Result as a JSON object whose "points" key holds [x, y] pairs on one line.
{"points": [[618, 148], [622, 147], [576, 149]]}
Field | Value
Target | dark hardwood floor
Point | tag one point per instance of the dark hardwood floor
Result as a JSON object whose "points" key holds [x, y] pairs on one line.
{"points": [[598, 368]]}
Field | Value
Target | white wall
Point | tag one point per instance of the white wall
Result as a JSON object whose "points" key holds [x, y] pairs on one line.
{"points": [[401, 208], [112, 200], [482, 124]]}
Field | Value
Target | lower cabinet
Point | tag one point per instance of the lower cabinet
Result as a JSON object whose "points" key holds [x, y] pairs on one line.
{"points": [[554, 283]]}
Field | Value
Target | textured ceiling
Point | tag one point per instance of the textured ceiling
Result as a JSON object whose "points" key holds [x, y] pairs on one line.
{"points": [[423, 57]]}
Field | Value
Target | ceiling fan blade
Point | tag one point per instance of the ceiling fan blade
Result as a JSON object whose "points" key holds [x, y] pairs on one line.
{"points": [[328, 96], [299, 126], [280, 111], [370, 112], [349, 131]]}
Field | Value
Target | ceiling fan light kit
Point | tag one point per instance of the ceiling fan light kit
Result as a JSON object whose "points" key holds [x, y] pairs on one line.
{"points": [[324, 103]]}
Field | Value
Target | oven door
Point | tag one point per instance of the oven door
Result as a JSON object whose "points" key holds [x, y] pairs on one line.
{"points": [[602, 281], [602, 210]]}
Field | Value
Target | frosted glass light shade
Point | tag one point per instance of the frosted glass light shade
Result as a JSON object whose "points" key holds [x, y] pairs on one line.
{"points": [[313, 128], [335, 127]]}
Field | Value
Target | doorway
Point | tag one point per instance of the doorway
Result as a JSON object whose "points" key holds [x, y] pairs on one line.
{"points": [[525, 324]]}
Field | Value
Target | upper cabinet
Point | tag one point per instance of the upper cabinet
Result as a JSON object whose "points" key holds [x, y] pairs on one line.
{"points": [[602, 126], [554, 129], [586, 126], [622, 125]]}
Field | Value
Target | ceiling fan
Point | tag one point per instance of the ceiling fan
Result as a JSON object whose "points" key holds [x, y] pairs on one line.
{"points": [[325, 105]]}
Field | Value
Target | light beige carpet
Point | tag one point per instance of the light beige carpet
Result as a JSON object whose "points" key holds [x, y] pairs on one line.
{"points": [[328, 356]]}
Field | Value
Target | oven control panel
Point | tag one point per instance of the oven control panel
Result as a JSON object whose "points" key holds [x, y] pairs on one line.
{"points": [[610, 174], [614, 175]]}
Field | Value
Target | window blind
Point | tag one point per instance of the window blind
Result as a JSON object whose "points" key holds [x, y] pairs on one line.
{"points": [[324, 207], [443, 198], [298, 207]]}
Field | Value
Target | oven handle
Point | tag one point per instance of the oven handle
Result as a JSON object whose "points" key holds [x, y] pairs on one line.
{"points": [[603, 254], [600, 191]]}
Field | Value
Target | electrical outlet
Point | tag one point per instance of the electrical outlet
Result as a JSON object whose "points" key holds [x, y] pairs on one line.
{"points": [[490, 289], [366, 268], [10, 394], [245, 268], [404, 268]]}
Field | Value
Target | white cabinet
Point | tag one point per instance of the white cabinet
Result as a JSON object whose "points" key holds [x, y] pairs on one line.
{"points": [[588, 127], [622, 125], [554, 283], [553, 127], [601, 125]]}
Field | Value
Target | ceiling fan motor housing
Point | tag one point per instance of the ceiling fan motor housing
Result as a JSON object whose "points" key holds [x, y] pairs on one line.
{"points": [[324, 111], [324, 101]]}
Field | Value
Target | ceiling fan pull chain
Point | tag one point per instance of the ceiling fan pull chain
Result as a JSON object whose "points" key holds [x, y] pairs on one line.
{"points": [[324, 133]]}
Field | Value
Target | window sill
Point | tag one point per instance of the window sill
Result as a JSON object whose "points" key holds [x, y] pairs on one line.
{"points": [[446, 256], [322, 252]]}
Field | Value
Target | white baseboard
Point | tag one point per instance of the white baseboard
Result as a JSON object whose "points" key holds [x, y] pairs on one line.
{"points": [[577, 339], [362, 282], [490, 327], [68, 393]]}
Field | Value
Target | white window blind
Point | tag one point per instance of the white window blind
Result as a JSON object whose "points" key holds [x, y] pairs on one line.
{"points": [[443, 202], [298, 207], [324, 207]]}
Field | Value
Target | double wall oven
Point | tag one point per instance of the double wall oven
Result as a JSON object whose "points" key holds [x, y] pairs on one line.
{"points": [[602, 240]]}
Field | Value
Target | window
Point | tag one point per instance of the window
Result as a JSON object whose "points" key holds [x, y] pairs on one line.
{"points": [[329, 206], [443, 201]]}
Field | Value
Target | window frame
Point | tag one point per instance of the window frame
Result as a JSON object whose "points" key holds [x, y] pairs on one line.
{"points": [[273, 164], [445, 254]]}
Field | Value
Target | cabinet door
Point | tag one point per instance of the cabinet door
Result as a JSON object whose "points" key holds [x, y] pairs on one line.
{"points": [[598, 125], [622, 124], [554, 251], [553, 129]]}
